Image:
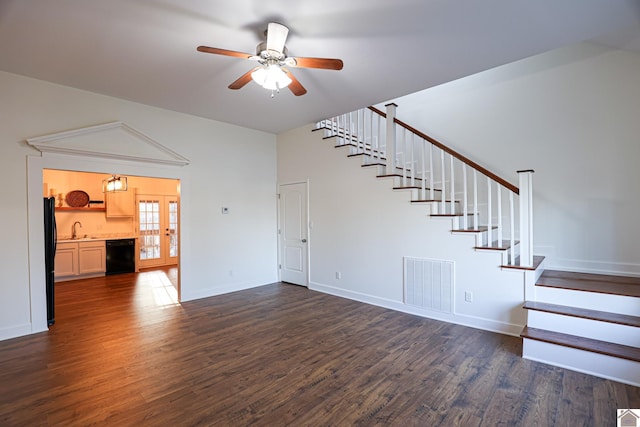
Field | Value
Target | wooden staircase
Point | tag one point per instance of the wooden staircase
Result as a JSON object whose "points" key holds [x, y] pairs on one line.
{"points": [[584, 322], [567, 326]]}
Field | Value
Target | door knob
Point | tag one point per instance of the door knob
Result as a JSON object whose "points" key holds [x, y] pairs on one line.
{"points": [[304, 240]]}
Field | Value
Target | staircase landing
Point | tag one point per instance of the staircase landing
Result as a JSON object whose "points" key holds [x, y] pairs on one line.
{"points": [[613, 285]]}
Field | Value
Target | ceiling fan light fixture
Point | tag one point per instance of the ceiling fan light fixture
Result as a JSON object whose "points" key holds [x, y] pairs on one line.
{"points": [[271, 77]]}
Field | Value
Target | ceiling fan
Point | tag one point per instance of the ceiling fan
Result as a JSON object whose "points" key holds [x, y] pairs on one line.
{"points": [[271, 73]]}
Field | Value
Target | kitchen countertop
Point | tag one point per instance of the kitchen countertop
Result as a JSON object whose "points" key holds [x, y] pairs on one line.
{"points": [[93, 239]]}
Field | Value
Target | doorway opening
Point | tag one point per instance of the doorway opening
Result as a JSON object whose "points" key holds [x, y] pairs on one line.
{"points": [[146, 215]]}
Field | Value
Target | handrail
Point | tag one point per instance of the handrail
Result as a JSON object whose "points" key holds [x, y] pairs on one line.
{"points": [[454, 153]]}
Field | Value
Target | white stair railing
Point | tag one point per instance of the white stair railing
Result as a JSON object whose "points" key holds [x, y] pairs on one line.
{"points": [[412, 156]]}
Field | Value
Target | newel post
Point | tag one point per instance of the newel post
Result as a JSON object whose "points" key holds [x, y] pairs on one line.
{"points": [[525, 184], [391, 138]]}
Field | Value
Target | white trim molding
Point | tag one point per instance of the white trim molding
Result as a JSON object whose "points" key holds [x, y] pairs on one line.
{"points": [[115, 140]]}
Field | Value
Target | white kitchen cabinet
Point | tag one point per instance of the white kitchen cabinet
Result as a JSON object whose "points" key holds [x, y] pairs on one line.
{"points": [[76, 260], [91, 257], [121, 204], [66, 260]]}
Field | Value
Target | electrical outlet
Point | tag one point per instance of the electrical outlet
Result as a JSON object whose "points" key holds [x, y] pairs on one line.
{"points": [[338, 275], [225, 210], [468, 296]]}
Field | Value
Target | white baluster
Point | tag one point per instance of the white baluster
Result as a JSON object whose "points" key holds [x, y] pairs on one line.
{"points": [[391, 139], [525, 179], [371, 143], [431, 189], [512, 226], [476, 211], [499, 201], [404, 157], [349, 129], [358, 132], [413, 165], [453, 187], [423, 155], [489, 213], [444, 187], [465, 207]]}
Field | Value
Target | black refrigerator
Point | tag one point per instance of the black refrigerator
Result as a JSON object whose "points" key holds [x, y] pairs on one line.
{"points": [[50, 239]]}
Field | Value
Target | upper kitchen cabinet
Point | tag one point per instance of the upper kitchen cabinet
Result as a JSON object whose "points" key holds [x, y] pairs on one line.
{"points": [[121, 204]]}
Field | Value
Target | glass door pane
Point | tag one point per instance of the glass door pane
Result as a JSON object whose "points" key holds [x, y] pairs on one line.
{"points": [[149, 211], [172, 228]]}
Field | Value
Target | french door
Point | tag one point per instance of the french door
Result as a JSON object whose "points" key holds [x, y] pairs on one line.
{"points": [[158, 230]]}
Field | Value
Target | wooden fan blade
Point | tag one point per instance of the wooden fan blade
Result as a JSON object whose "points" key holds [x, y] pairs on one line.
{"points": [[242, 81], [295, 87], [215, 50], [324, 63]]}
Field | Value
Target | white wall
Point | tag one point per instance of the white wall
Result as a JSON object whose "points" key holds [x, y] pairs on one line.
{"points": [[230, 166], [363, 229], [572, 116]]}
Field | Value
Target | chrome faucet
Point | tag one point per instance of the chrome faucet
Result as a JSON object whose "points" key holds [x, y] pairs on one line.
{"points": [[74, 233]]}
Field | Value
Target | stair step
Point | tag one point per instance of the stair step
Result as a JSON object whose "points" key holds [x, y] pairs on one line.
{"points": [[481, 229], [408, 187], [583, 313], [497, 246], [599, 283], [433, 200], [454, 215], [581, 343], [366, 165], [397, 175], [537, 260]]}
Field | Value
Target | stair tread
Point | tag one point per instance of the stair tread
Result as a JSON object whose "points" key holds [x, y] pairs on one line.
{"points": [[408, 187], [537, 260], [582, 343], [481, 229], [498, 246], [450, 215], [433, 200], [583, 313], [398, 175], [588, 282]]}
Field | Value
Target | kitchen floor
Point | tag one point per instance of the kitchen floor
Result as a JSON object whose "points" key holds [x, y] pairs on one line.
{"points": [[146, 290]]}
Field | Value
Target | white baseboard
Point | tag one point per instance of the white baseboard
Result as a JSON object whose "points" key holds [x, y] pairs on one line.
{"points": [[464, 320], [16, 331]]}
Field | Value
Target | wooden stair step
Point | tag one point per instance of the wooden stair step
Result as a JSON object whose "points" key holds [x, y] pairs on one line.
{"points": [[581, 343], [497, 246], [454, 215], [397, 175], [480, 229], [537, 260], [408, 187], [588, 282], [583, 313], [433, 200]]}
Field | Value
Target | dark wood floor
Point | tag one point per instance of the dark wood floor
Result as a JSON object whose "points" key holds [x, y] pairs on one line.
{"points": [[122, 353]]}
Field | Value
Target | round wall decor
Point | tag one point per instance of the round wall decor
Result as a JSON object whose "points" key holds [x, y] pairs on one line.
{"points": [[77, 199]]}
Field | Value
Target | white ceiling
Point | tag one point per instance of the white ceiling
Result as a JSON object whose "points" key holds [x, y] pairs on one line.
{"points": [[145, 50]]}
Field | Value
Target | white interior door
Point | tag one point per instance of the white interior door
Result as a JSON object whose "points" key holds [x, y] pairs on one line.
{"points": [[158, 230], [293, 233]]}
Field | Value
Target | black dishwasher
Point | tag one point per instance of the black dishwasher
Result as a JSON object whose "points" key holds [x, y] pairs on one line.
{"points": [[121, 255]]}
